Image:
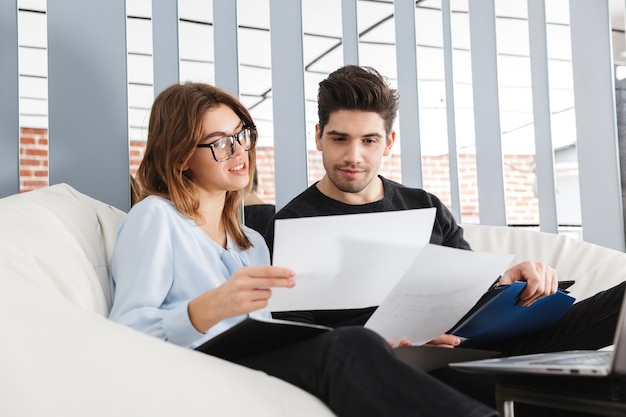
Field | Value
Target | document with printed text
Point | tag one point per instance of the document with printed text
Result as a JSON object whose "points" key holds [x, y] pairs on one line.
{"points": [[436, 291]]}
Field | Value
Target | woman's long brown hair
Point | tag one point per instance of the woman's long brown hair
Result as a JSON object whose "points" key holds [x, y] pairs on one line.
{"points": [[174, 131]]}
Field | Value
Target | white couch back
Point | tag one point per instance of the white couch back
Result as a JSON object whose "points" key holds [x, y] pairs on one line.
{"points": [[593, 267], [62, 240]]}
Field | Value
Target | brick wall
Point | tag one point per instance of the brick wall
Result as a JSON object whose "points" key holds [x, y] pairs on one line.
{"points": [[522, 205], [137, 148], [33, 159]]}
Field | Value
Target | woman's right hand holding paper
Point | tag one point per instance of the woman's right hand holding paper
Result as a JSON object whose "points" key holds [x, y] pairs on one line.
{"points": [[248, 289]]}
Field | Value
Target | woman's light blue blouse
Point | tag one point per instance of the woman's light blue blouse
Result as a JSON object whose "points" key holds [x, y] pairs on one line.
{"points": [[161, 261]]}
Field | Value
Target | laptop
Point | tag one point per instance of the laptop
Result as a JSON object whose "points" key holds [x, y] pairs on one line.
{"points": [[599, 363]]}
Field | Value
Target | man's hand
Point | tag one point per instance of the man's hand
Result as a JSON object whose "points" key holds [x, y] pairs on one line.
{"points": [[541, 280], [402, 343], [445, 340]]}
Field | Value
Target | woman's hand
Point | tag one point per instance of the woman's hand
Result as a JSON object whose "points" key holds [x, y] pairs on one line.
{"points": [[541, 280], [248, 289]]}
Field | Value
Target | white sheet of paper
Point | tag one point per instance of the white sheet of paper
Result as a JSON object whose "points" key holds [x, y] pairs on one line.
{"points": [[437, 290], [346, 261]]}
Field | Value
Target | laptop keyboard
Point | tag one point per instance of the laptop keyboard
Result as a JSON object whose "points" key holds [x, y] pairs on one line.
{"points": [[591, 359]]}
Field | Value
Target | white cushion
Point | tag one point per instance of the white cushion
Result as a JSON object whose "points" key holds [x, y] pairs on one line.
{"points": [[593, 267], [62, 240]]}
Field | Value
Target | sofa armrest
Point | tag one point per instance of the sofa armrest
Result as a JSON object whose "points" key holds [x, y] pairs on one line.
{"points": [[59, 359]]}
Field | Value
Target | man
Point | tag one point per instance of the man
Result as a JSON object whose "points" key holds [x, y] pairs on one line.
{"points": [[257, 213], [356, 110]]}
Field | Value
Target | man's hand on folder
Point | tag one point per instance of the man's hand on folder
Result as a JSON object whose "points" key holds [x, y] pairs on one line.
{"points": [[402, 343], [444, 340], [541, 280]]}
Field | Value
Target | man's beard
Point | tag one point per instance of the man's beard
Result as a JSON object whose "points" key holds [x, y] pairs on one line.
{"points": [[349, 186]]}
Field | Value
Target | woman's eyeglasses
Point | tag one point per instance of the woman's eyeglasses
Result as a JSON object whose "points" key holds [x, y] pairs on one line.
{"points": [[224, 148]]}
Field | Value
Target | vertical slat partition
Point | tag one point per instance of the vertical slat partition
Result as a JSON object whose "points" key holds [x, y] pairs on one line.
{"points": [[544, 150], [9, 101], [406, 56], [594, 92], [165, 56], [487, 113], [88, 105], [290, 152]]}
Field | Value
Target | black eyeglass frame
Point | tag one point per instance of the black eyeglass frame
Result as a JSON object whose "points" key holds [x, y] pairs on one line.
{"points": [[236, 137]]}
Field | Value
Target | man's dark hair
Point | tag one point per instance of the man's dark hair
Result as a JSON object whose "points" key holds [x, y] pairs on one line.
{"points": [[357, 88]]}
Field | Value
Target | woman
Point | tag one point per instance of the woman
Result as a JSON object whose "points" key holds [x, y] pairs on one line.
{"points": [[185, 269]]}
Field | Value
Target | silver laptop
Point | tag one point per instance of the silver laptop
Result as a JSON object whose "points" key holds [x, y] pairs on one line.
{"points": [[582, 362]]}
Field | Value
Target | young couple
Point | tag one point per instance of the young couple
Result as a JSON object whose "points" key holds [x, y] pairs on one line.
{"points": [[185, 269]]}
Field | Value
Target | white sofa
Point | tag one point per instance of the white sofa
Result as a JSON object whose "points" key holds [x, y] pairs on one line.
{"points": [[60, 356]]}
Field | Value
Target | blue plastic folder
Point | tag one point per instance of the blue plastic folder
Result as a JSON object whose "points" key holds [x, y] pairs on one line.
{"points": [[498, 316]]}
